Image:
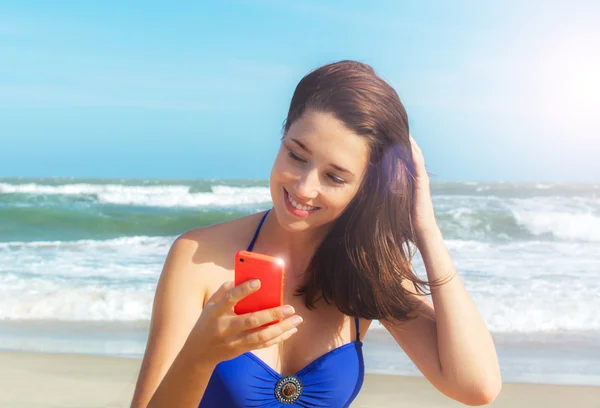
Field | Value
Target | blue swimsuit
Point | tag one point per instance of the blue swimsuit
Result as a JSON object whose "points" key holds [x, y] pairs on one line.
{"points": [[332, 380]]}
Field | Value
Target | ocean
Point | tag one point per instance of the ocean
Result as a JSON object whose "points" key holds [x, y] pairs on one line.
{"points": [[80, 259]]}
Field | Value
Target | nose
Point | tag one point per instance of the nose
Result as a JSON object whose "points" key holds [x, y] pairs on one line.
{"points": [[307, 186]]}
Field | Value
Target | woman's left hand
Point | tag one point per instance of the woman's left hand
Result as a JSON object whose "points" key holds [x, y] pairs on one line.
{"points": [[422, 212]]}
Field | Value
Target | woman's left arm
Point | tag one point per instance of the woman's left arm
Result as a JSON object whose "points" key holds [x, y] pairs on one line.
{"points": [[449, 341]]}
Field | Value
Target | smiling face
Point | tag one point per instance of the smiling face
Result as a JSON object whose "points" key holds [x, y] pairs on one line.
{"points": [[318, 171]]}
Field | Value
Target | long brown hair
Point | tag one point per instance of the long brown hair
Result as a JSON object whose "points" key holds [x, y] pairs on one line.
{"points": [[360, 265]]}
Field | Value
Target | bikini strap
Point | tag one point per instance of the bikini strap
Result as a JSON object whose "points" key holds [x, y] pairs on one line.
{"points": [[357, 329], [251, 246]]}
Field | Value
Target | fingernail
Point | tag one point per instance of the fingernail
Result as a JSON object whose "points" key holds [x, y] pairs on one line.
{"points": [[254, 284], [295, 320], [288, 311]]}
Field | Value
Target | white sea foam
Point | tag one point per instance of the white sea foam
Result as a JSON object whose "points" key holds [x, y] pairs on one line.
{"points": [[38, 299], [125, 243], [221, 196], [485, 217], [530, 287], [576, 219], [584, 227], [87, 189], [520, 287], [154, 196], [108, 280]]}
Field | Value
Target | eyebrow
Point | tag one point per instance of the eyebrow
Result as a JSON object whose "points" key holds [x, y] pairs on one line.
{"points": [[307, 150]]}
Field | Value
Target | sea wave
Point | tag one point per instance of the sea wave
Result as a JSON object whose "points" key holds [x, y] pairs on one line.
{"points": [[76, 222], [152, 196], [87, 244], [522, 220], [519, 287], [461, 221]]}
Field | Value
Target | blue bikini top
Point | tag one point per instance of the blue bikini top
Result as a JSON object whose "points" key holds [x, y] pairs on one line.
{"points": [[332, 380]]}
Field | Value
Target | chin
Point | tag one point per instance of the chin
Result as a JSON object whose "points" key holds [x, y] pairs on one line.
{"points": [[288, 221], [292, 224]]}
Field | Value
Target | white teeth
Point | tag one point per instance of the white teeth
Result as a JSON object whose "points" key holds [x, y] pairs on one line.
{"points": [[298, 206]]}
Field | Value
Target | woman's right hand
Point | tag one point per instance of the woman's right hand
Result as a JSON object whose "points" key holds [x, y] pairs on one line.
{"points": [[220, 334]]}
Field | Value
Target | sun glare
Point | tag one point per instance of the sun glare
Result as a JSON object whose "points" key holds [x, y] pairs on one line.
{"points": [[570, 81]]}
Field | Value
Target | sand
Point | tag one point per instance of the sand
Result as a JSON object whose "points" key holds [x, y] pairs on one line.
{"points": [[35, 380]]}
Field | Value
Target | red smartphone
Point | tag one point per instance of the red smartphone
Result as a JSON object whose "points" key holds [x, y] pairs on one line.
{"points": [[269, 270]]}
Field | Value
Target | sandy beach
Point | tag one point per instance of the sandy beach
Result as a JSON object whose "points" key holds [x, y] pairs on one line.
{"points": [[36, 380]]}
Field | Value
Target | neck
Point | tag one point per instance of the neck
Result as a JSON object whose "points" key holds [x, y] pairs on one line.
{"points": [[295, 248]]}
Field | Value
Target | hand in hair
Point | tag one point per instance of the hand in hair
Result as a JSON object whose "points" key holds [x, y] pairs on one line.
{"points": [[422, 213]]}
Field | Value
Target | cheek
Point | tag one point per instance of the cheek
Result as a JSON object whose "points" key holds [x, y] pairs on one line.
{"points": [[345, 198], [275, 179], [282, 170], [276, 170], [337, 200]]}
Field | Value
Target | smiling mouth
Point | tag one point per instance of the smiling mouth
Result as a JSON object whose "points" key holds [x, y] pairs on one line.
{"points": [[297, 205]]}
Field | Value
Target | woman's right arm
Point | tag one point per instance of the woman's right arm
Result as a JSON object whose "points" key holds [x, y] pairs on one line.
{"points": [[177, 307], [187, 341]]}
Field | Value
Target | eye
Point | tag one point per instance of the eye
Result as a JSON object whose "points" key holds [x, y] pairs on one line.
{"points": [[336, 179], [294, 156]]}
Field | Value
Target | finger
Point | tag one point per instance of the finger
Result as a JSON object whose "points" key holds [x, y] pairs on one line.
{"points": [[261, 336], [228, 301], [282, 337], [254, 320], [414, 143], [226, 286]]}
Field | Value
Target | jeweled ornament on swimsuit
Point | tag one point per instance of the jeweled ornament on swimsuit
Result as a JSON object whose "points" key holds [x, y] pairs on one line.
{"points": [[288, 389]]}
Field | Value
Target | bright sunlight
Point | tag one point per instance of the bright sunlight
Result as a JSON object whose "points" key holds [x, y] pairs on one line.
{"points": [[570, 81]]}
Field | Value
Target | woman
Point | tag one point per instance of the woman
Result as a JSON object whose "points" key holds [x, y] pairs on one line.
{"points": [[350, 193]]}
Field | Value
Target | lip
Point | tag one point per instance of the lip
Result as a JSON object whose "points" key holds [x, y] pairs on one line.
{"points": [[294, 211]]}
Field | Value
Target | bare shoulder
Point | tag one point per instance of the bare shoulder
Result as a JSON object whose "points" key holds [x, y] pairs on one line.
{"points": [[223, 233], [198, 262], [208, 251]]}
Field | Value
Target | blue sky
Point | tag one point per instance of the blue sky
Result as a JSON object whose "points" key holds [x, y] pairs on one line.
{"points": [[495, 90]]}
